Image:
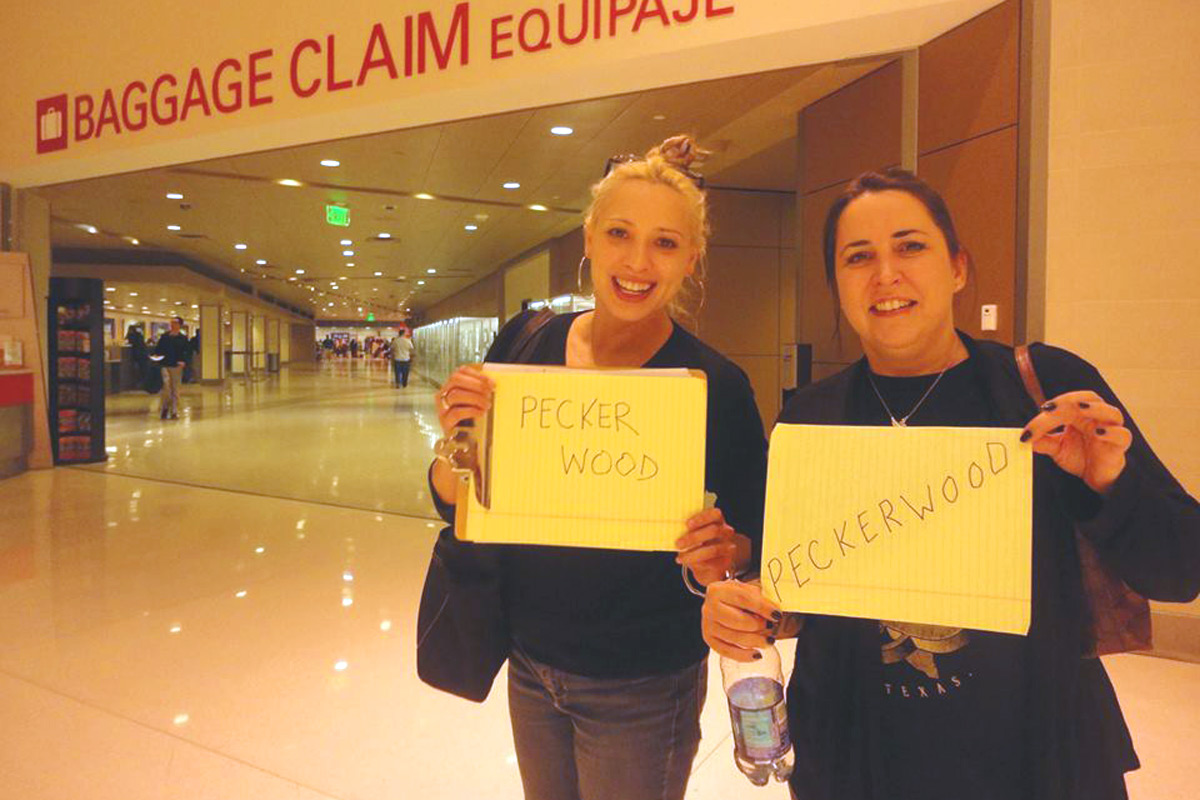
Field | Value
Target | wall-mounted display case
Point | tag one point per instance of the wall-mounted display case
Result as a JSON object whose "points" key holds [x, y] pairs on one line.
{"points": [[76, 348]]}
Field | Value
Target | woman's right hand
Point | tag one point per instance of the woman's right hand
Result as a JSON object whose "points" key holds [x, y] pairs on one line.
{"points": [[467, 394], [737, 618]]}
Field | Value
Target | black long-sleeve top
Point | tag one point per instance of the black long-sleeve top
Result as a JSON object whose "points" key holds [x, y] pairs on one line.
{"points": [[174, 348], [624, 614], [1075, 744]]}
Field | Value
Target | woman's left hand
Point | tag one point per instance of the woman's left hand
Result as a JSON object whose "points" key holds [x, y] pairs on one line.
{"points": [[1084, 435], [709, 548]]}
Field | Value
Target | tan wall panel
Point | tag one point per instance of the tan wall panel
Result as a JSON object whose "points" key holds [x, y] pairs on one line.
{"points": [[763, 372], [853, 129], [303, 337], [817, 317], [741, 306], [968, 79], [978, 180], [565, 252], [482, 299]]}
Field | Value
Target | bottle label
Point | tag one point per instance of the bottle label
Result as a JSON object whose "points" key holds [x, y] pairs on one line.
{"points": [[761, 734]]}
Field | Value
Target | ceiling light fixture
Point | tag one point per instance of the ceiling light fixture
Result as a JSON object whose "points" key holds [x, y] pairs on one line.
{"points": [[174, 196], [562, 130], [347, 252], [346, 242], [240, 246], [385, 236], [431, 271], [538, 207], [299, 272], [261, 262], [378, 274], [330, 162], [174, 228], [420, 283], [289, 182], [470, 227], [423, 196], [512, 185]]}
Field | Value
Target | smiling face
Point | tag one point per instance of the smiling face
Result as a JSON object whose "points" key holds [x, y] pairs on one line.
{"points": [[896, 282], [641, 243]]}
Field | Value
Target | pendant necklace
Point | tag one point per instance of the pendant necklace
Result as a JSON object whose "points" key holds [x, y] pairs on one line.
{"points": [[903, 421]]}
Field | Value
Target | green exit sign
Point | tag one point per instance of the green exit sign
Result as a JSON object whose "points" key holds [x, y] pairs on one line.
{"points": [[337, 215], [370, 317]]}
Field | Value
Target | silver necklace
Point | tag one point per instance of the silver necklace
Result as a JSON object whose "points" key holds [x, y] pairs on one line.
{"points": [[903, 421]]}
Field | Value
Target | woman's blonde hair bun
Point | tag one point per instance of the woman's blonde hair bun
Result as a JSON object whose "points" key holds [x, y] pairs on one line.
{"points": [[679, 151]]}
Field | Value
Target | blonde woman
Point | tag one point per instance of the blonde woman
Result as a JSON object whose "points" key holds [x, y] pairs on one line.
{"points": [[607, 671]]}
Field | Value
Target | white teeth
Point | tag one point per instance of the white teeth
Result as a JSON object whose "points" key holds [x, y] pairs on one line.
{"points": [[633, 286], [892, 305]]}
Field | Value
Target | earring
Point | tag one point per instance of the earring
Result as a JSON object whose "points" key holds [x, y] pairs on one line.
{"points": [[579, 275]]}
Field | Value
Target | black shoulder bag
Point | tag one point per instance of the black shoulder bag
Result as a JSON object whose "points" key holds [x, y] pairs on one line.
{"points": [[462, 623]]}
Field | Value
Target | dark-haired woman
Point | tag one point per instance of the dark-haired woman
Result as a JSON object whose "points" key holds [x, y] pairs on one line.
{"points": [[980, 715], [607, 672]]}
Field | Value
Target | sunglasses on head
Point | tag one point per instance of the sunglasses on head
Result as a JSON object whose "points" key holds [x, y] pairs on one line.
{"points": [[630, 158]]}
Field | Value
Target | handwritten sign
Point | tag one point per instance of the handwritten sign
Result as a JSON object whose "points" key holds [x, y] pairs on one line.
{"points": [[590, 458], [921, 525]]}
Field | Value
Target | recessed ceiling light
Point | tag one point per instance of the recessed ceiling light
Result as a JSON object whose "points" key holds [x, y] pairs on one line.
{"points": [[240, 246], [347, 252], [538, 207], [174, 196], [431, 271], [346, 242], [562, 130], [342, 278], [299, 272], [289, 182], [349, 263], [423, 196], [133, 294], [385, 236], [173, 228], [195, 306], [162, 299], [659, 117], [420, 283], [261, 262], [512, 185], [333, 286], [378, 274], [110, 288], [330, 162], [470, 227]]}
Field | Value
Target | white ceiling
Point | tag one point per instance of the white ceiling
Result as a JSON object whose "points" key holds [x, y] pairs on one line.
{"points": [[748, 121]]}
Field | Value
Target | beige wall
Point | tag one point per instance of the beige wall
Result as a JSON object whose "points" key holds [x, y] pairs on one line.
{"points": [[528, 279], [749, 298], [482, 299], [1122, 284]]}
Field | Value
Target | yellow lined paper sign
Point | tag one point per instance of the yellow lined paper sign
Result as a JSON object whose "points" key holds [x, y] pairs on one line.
{"points": [[920, 525], [589, 458]]}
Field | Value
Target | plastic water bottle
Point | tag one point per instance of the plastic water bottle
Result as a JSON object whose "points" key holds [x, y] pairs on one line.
{"points": [[762, 746]]}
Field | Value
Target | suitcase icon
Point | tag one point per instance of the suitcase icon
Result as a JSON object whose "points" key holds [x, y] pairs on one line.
{"points": [[50, 126]]}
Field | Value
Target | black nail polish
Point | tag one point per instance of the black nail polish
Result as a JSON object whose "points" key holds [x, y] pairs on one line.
{"points": [[771, 626], [1026, 435], [770, 640], [1049, 406], [1059, 429], [757, 655], [775, 615], [1084, 404], [1101, 431]]}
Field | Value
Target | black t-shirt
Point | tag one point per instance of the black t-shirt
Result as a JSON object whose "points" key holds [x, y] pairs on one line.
{"points": [[622, 614], [952, 699]]}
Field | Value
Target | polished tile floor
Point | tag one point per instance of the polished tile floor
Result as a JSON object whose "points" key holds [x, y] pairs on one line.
{"points": [[225, 610]]}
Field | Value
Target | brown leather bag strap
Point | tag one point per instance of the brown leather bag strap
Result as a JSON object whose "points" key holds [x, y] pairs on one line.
{"points": [[1029, 375]]}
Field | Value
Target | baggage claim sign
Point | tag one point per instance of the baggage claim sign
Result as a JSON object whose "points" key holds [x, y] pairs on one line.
{"points": [[411, 46]]}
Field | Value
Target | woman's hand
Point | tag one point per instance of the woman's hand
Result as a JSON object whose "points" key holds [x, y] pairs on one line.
{"points": [[737, 618], [466, 394], [710, 547], [1084, 435]]}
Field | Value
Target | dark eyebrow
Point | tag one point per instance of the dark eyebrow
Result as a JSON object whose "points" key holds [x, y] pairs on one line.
{"points": [[859, 243], [901, 234]]}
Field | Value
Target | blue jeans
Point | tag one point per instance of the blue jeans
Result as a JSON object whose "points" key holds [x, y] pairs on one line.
{"points": [[580, 738], [400, 369]]}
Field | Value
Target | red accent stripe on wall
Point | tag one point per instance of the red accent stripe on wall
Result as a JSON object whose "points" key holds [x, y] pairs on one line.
{"points": [[16, 390]]}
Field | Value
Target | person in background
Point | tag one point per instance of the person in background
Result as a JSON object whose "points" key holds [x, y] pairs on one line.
{"points": [[890, 709], [402, 353], [173, 347], [608, 671], [138, 351]]}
